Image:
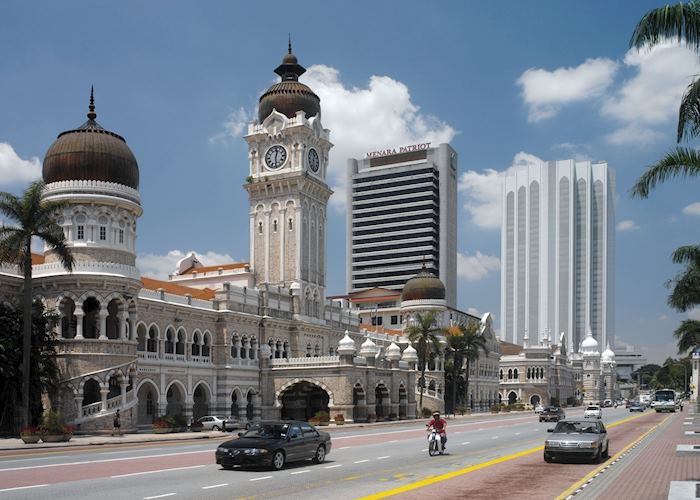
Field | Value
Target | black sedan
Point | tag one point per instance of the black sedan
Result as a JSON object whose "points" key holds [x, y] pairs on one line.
{"points": [[273, 444], [552, 414]]}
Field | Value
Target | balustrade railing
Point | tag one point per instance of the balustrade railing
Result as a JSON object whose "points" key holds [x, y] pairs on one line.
{"points": [[92, 408], [317, 361]]}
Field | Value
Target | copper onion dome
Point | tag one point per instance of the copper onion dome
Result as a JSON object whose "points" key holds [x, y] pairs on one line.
{"points": [[289, 95], [91, 153], [423, 286]]}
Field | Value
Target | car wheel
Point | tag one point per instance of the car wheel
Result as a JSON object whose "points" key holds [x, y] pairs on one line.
{"points": [[606, 455], [215, 428], [598, 456], [320, 454], [278, 460], [548, 458]]}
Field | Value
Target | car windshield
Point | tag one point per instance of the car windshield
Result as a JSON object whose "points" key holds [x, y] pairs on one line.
{"points": [[594, 408], [576, 428], [275, 431]]}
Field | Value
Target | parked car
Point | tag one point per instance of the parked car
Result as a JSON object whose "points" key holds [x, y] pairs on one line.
{"points": [[593, 411], [233, 423], [273, 444], [607, 403], [577, 439], [552, 414], [212, 423], [539, 408], [637, 406]]}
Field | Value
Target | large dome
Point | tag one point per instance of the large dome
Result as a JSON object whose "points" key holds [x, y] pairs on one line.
{"points": [[423, 286], [91, 153], [289, 95]]}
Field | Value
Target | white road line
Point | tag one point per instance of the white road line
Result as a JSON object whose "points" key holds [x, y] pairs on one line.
{"points": [[105, 460], [261, 478], [333, 466], [344, 448], [517, 433], [300, 472], [479, 430], [24, 487], [360, 461], [393, 441], [466, 442], [214, 486], [159, 496], [494, 437], [156, 471], [382, 458], [424, 449], [124, 451]]}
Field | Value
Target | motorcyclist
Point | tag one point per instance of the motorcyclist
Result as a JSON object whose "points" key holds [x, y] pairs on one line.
{"points": [[440, 425]]}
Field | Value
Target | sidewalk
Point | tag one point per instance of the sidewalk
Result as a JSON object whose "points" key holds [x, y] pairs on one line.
{"points": [[143, 437], [650, 470]]}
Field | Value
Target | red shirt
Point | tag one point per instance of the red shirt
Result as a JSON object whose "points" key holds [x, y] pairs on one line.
{"points": [[439, 424]]}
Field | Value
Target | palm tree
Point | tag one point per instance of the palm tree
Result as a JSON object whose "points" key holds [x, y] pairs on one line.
{"points": [[688, 335], [32, 218], [455, 346], [423, 333], [474, 343]]}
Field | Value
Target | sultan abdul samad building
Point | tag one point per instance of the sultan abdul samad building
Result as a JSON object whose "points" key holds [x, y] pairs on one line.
{"points": [[252, 340]]}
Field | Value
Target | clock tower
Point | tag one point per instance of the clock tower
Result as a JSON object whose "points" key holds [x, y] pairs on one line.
{"points": [[288, 154]]}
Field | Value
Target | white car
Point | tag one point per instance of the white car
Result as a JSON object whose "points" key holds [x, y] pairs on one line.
{"points": [[539, 409], [212, 423], [593, 411]]}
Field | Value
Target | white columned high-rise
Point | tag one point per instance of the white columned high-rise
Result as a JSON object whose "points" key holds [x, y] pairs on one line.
{"points": [[557, 251]]}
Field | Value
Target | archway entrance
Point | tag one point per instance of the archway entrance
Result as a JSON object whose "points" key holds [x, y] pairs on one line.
{"points": [[382, 401], [535, 400], [512, 398], [303, 400], [403, 401], [201, 401], [148, 399], [359, 401], [250, 406], [175, 398], [234, 404]]}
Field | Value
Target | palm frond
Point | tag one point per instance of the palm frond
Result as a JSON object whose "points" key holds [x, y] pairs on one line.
{"points": [[13, 247], [688, 335], [689, 112], [680, 22], [685, 289], [686, 254], [54, 236], [11, 206], [680, 162]]}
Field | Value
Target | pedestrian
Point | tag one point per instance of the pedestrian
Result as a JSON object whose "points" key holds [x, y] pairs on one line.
{"points": [[117, 424]]}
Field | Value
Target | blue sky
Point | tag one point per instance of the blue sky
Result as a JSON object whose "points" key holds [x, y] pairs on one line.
{"points": [[504, 82]]}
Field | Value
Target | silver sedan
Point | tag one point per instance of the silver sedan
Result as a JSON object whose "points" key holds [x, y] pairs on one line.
{"points": [[577, 439]]}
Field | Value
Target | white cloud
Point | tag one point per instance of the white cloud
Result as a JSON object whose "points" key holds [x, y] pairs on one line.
{"points": [[477, 266], [544, 92], [363, 119], [234, 126], [634, 133], [14, 169], [663, 317], [483, 191], [692, 209], [578, 152], [694, 314], [474, 312], [160, 266], [627, 225]]}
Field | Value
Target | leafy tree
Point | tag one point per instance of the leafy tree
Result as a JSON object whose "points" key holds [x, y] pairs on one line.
{"points": [[30, 217], [43, 369], [423, 333], [645, 374], [474, 346]]}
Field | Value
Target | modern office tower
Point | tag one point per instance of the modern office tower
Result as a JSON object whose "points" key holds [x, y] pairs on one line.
{"points": [[557, 252], [402, 213]]}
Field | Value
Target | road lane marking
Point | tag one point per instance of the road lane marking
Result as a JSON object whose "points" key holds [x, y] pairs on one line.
{"points": [[333, 466], [479, 430], [156, 471], [124, 451], [424, 449], [344, 448], [261, 478], [449, 475], [393, 441], [300, 472], [517, 433], [360, 461], [382, 458], [105, 460], [494, 437], [24, 487], [214, 486], [466, 442], [159, 496]]}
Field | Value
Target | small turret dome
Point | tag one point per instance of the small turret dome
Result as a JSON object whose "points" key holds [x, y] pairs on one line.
{"points": [[410, 355], [368, 348], [393, 352], [608, 354], [589, 344], [346, 346]]}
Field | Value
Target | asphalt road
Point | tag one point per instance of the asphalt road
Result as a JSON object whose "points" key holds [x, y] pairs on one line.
{"points": [[363, 461]]}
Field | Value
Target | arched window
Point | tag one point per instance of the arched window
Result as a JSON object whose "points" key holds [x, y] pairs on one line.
{"points": [[515, 373], [528, 373], [234, 346], [180, 345], [196, 344], [510, 374], [274, 226], [290, 223], [152, 341], [243, 351], [285, 349], [252, 348], [169, 344], [308, 350], [206, 345], [260, 228], [278, 349], [500, 375]]}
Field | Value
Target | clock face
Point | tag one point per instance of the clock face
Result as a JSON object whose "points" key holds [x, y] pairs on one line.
{"points": [[275, 157], [313, 160]]}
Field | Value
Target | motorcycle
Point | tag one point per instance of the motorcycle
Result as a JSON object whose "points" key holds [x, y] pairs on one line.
{"points": [[435, 443]]}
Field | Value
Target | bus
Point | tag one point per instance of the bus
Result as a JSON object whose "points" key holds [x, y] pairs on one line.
{"points": [[665, 400]]}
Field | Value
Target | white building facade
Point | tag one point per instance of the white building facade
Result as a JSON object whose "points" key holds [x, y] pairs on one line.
{"points": [[557, 252], [403, 204]]}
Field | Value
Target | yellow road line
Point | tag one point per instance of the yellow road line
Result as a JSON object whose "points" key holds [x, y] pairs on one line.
{"points": [[472, 468], [617, 455]]}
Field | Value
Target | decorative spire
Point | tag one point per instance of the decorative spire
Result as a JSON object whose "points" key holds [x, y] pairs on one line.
{"points": [[289, 47], [92, 115]]}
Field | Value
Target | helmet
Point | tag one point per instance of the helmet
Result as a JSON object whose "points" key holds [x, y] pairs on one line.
{"points": [[436, 413]]}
